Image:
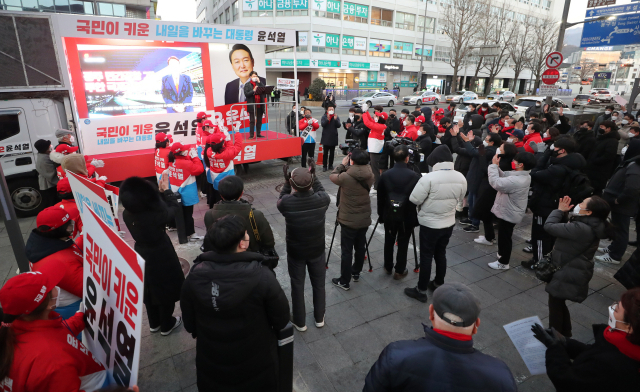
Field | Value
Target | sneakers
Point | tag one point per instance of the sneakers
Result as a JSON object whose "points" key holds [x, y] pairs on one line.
{"points": [[606, 258], [398, 276], [496, 265], [319, 324], [633, 243], [604, 249], [153, 330], [528, 249], [465, 221], [202, 195], [343, 286], [172, 229], [482, 240], [528, 241], [529, 264], [373, 192], [194, 237], [176, 325], [304, 327], [471, 229], [432, 285], [355, 277], [415, 293]]}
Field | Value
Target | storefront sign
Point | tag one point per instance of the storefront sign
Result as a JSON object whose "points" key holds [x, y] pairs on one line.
{"points": [[318, 39], [328, 64], [352, 9], [292, 5], [257, 5], [332, 40], [382, 76], [391, 67], [356, 43], [278, 63], [602, 75], [372, 85], [326, 5], [303, 38], [408, 84], [333, 6]]}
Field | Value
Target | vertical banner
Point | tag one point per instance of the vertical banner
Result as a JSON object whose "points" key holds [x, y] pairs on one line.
{"points": [[85, 191], [112, 296]]}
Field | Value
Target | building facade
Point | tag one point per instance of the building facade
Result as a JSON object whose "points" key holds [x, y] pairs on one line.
{"points": [[365, 44], [141, 9]]}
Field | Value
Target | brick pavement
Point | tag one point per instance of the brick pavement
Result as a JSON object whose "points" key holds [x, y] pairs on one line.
{"points": [[375, 312]]}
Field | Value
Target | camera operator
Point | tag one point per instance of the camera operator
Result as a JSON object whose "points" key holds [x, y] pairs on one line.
{"points": [[231, 190], [425, 144], [354, 177], [359, 130], [393, 127], [396, 212]]}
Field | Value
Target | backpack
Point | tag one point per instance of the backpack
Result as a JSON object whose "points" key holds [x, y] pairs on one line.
{"points": [[396, 212], [576, 185]]}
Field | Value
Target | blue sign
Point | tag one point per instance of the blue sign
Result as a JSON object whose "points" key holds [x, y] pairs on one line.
{"points": [[624, 30], [618, 9], [602, 75]]}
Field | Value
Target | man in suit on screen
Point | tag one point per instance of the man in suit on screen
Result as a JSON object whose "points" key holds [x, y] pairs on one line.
{"points": [[177, 88]]}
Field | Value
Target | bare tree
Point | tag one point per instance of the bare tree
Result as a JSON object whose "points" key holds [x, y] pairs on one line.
{"points": [[459, 22], [519, 50], [587, 68], [545, 33], [500, 31]]}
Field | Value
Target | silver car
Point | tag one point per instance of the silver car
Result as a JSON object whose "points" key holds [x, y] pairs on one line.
{"points": [[502, 95], [373, 99], [581, 99]]}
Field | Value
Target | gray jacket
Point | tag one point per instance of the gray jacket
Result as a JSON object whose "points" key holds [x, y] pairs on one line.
{"points": [[513, 192], [46, 168], [576, 242]]}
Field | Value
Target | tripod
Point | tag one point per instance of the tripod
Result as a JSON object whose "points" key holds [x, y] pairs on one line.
{"points": [[415, 250], [368, 257]]}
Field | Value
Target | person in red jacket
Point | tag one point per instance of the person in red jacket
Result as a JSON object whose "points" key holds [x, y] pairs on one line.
{"points": [[218, 156], [161, 161], [68, 203], [410, 128], [532, 134], [516, 136], [308, 127], [39, 350], [50, 242], [483, 110], [183, 170], [375, 143]]}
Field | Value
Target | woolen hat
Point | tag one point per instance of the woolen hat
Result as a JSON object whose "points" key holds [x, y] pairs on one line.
{"points": [[42, 146], [62, 133], [455, 303], [439, 154]]}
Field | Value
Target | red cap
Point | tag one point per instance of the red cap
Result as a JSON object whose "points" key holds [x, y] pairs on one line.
{"points": [[161, 137], [420, 119], [202, 115], [440, 111], [177, 147], [64, 186], [53, 217], [383, 115], [25, 292], [207, 123], [215, 138], [66, 149]]}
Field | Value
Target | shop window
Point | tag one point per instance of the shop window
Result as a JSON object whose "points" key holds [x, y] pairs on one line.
{"points": [[381, 17], [405, 21]]}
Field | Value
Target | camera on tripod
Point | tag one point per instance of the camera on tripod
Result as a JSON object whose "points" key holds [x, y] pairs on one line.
{"points": [[349, 145], [415, 152]]}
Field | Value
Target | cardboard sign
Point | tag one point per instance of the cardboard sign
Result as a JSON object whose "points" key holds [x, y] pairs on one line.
{"points": [[287, 84], [112, 295], [85, 191]]}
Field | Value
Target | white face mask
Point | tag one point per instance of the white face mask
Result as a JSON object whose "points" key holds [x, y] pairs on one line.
{"points": [[301, 111], [607, 112], [614, 118], [537, 105], [612, 320], [402, 115], [72, 139], [625, 122], [469, 108], [420, 133], [526, 132], [330, 111], [576, 210], [352, 116], [510, 140], [255, 80], [404, 123], [546, 135], [486, 143], [624, 150]]}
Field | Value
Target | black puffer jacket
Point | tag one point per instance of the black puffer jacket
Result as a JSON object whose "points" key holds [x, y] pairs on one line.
{"points": [[360, 132], [329, 136], [547, 180], [397, 184], [576, 242], [146, 216], [479, 164], [463, 160], [603, 159], [234, 306], [426, 146], [586, 141], [304, 213], [623, 190]]}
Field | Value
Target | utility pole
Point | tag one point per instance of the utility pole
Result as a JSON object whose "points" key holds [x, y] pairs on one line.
{"points": [[560, 43], [424, 31]]}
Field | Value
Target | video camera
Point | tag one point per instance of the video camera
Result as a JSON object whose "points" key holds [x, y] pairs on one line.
{"points": [[415, 152], [349, 145]]}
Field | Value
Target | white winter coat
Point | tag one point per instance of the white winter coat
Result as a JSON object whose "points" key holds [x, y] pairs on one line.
{"points": [[513, 192], [437, 194]]}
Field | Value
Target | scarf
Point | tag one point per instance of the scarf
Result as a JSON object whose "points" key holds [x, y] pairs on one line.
{"points": [[256, 98], [619, 339]]}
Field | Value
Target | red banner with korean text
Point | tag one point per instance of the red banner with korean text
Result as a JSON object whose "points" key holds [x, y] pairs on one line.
{"points": [[112, 296]]}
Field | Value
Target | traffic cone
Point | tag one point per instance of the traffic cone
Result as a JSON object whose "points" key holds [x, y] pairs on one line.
{"points": [[320, 157]]}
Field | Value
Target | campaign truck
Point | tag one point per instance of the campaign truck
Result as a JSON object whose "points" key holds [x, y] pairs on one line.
{"points": [[116, 82]]}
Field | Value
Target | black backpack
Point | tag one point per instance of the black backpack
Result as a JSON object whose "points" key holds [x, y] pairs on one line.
{"points": [[576, 185]]}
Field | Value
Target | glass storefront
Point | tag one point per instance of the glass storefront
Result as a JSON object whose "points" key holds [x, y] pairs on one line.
{"points": [[338, 79]]}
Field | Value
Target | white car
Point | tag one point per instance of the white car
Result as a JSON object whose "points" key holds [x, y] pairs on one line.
{"points": [[595, 90], [462, 96], [603, 95], [502, 95], [461, 109], [522, 104], [422, 98], [373, 99]]}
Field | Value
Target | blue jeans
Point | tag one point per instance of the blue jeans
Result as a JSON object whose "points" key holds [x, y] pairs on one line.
{"points": [[471, 200]]}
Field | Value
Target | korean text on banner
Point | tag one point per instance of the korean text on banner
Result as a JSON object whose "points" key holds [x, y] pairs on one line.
{"points": [[548, 90], [85, 191], [287, 83], [112, 297]]}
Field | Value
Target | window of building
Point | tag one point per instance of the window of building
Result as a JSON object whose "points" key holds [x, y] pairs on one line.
{"points": [[257, 13], [379, 48], [325, 43], [535, 3], [235, 10], [431, 24], [227, 15], [201, 16], [443, 53], [424, 51], [546, 4], [405, 21], [221, 18], [381, 17], [27, 5], [354, 46], [111, 9], [402, 50]]}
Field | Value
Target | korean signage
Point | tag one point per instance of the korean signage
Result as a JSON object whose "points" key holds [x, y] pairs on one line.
{"points": [[382, 46], [292, 5], [352, 9], [318, 39], [89, 193], [325, 40], [624, 30], [391, 67], [303, 38], [289, 84], [15, 148], [333, 6], [326, 5], [599, 3], [402, 47], [257, 5], [304, 63], [356, 43], [602, 75], [113, 276], [548, 90], [372, 84], [619, 9]]}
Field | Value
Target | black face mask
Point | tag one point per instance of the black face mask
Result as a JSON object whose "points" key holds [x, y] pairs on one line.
{"points": [[584, 128], [392, 115], [601, 131], [554, 153]]}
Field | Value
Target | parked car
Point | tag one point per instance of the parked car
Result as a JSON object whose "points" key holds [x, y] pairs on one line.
{"points": [[378, 98], [462, 96], [603, 96], [461, 109], [581, 99], [522, 104], [502, 95], [422, 97], [595, 90]]}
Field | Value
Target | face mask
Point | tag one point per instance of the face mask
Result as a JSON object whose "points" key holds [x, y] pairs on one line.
{"points": [[625, 122], [420, 133], [307, 116], [537, 105], [352, 116], [402, 115], [469, 108], [510, 140], [583, 128], [301, 111], [330, 112], [607, 112], [624, 150], [614, 118], [612, 320], [72, 139], [601, 131], [554, 153], [485, 143], [546, 135], [513, 165], [576, 210], [526, 132], [255, 80], [392, 115], [404, 123], [632, 135]]}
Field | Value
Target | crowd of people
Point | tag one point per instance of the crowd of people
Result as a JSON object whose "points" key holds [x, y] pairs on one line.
{"points": [[581, 183]]}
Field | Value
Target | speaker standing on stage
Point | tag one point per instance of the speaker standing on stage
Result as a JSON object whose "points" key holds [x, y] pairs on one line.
{"points": [[255, 111]]}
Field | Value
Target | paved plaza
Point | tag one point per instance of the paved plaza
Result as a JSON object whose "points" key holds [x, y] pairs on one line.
{"points": [[362, 321]]}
